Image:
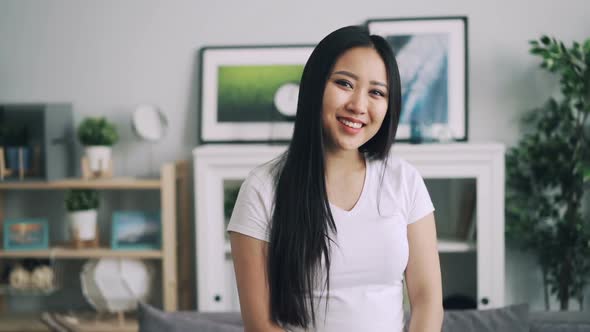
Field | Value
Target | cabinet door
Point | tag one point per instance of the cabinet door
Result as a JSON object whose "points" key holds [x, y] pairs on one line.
{"points": [[219, 172], [485, 164]]}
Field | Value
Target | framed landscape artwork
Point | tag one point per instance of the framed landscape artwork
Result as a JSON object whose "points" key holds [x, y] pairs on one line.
{"points": [[432, 59], [249, 93], [136, 230], [26, 234]]}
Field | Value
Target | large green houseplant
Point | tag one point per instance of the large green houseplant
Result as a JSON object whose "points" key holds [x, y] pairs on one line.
{"points": [[548, 174]]}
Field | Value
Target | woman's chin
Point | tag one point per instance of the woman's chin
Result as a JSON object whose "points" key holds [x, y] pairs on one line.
{"points": [[344, 146]]}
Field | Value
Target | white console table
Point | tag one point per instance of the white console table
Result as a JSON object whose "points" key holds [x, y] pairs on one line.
{"points": [[216, 166]]}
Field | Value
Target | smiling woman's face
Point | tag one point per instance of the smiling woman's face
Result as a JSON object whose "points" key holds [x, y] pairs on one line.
{"points": [[355, 99]]}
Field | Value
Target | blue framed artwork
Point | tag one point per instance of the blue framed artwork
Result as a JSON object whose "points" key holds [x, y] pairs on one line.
{"points": [[432, 60], [136, 230], [249, 93], [26, 234]]}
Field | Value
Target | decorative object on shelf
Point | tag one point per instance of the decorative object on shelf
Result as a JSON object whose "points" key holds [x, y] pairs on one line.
{"points": [[136, 230], [20, 278], [26, 234], [31, 277], [249, 93], [43, 278], [18, 154], [467, 217], [149, 124], [432, 57], [116, 285], [31, 145], [82, 205], [97, 135], [416, 135], [546, 174]]}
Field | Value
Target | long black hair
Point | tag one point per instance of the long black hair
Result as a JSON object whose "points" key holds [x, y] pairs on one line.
{"points": [[301, 221]]}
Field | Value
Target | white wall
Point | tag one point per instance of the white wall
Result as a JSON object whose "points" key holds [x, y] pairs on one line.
{"points": [[107, 56]]}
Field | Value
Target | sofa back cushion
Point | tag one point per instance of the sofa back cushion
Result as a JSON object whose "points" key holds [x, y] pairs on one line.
{"points": [[154, 320], [507, 319]]}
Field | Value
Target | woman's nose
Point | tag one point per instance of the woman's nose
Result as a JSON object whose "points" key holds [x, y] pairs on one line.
{"points": [[358, 103]]}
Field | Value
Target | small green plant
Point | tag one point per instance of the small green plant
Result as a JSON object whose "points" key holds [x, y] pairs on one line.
{"points": [[97, 131], [81, 199]]}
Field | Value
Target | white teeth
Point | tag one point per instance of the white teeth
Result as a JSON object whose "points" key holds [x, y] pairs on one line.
{"points": [[351, 124]]}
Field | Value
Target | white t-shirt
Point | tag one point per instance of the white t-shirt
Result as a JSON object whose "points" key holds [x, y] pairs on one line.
{"points": [[371, 254]]}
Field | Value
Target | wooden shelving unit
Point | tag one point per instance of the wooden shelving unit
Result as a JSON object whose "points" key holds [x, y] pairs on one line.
{"points": [[115, 183], [175, 260]]}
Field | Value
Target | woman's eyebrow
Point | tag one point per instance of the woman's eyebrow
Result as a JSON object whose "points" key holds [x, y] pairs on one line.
{"points": [[355, 77], [347, 73]]}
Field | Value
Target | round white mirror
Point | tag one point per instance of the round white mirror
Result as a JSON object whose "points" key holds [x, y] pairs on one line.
{"points": [[149, 123]]}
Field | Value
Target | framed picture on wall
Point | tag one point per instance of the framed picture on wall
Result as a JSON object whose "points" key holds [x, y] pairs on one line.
{"points": [[249, 93], [432, 59], [136, 230]]}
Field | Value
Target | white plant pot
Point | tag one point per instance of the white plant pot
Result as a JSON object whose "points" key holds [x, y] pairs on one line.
{"points": [[99, 157], [83, 223]]}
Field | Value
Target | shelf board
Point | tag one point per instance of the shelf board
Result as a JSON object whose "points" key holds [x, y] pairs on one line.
{"points": [[77, 183], [72, 253], [12, 322], [6, 289], [450, 245]]}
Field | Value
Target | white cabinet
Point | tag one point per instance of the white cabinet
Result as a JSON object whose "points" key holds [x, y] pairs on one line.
{"points": [[221, 168]]}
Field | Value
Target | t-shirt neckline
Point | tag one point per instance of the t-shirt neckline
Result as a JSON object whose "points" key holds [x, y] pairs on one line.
{"points": [[360, 200]]}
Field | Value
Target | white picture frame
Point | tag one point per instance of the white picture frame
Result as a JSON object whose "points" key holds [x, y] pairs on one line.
{"points": [[249, 93], [432, 60]]}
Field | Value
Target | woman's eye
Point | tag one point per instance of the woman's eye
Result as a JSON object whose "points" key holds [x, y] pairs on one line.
{"points": [[378, 93], [344, 83]]}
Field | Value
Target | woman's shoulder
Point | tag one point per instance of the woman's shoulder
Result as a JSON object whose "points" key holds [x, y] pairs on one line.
{"points": [[396, 166], [262, 176]]}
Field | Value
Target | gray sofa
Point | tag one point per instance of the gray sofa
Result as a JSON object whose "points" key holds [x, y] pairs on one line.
{"points": [[515, 318]]}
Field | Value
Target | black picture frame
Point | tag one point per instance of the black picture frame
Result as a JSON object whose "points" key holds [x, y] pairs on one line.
{"points": [[433, 62], [248, 94]]}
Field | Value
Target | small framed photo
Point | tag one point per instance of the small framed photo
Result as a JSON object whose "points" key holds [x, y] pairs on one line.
{"points": [[432, 59], [26, 234], [249, 93], [138, 230]]}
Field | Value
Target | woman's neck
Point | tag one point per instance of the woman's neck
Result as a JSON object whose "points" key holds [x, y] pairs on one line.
{"points": [[343, 162]]}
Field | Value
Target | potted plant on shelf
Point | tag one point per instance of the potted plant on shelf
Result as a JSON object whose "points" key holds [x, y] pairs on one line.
{"points": [[82, 205], [548, 174], [98, 135]]}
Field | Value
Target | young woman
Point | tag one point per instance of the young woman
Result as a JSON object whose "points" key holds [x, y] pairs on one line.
{"points": [[321, 237]]}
